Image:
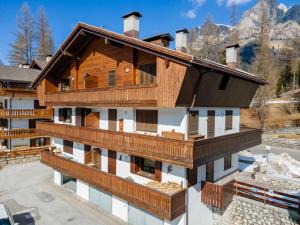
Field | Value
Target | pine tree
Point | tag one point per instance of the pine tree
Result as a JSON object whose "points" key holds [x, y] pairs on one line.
{"points": [[234, 33], [44, 38], [285, 81], [22, 49]]}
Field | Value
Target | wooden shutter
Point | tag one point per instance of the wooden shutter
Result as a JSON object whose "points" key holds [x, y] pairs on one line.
{"points": [[92, 120], [146, 120], [210, 123], [112, 119], [96, 158], [210, 171], [47, 141], [121, 125], [134, 167], [33, 142], [112, 78], [228, 119], [227, 162], [112, 162], [192, 176], [158, 166], [193, 122], [78, 117], [68, 147], [87, 154]]}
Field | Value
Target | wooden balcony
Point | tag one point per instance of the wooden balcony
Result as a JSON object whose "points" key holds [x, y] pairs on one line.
{"points": [[187, 153], [26, 113], [158, 203], [18, 92], [18, 133], [217, 195], [22, 153], [138, 95]]}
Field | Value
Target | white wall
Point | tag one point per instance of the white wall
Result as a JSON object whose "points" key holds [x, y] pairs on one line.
{"points": [[22, 103], [104, 160], [19, 123], [180, 220], [82, 189], [57, 177], [177, 174], [219, 166], [128, 115], [120, 208], [20, 141], [58, 143], [78, 152]]}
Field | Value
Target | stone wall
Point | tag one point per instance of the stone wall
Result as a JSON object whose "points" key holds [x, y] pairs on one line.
{"points": [[244, 211], [287, 184], [18, 160]]}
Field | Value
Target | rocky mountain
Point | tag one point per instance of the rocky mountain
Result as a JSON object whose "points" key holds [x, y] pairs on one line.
{"points": [[284, 28]]}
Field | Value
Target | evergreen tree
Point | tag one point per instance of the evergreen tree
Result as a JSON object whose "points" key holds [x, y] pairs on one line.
{"points": [[44, 38], [22, 49], [285, 81]]}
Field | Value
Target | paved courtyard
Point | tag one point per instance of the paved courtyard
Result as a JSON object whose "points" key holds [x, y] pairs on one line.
{"points": [[29, 192]]}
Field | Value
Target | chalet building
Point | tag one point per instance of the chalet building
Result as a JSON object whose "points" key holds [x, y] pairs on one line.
{"points": [[142, 128], [19, 109]]}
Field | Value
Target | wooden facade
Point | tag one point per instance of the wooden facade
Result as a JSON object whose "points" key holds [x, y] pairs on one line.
{"points": [[188, 153], [26, 113], [19, 133], [160, 204]]}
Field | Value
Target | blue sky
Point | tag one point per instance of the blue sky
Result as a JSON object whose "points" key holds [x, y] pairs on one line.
{"points": [[158, 15]]}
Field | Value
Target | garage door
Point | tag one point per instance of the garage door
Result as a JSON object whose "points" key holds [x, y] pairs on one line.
{"points": [[139, 217], [101, 199]]}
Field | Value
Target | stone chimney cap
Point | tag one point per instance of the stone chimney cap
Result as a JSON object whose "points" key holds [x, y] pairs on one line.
{"points": [[234, 46], [137, 14], [183, 31]]}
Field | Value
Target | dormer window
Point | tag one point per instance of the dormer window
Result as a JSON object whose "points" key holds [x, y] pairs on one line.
{"points": [[224, 82]]}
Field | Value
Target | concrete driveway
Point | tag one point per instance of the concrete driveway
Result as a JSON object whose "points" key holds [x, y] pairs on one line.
{"points": [[29, 192]]}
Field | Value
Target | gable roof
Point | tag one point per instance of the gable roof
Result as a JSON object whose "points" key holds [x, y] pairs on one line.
{"points": [[17, 74], [40, 63], [83, 31]]}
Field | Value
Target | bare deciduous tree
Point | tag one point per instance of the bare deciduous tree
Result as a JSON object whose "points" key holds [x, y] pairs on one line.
{"points": [[22, 48], [44, 38]]}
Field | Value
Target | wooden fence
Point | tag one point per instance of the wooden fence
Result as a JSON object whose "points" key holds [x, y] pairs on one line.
{"points": [[267, 196], [217, 195]]}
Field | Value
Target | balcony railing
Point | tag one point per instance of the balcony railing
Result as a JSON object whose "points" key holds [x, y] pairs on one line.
{"points": [[217, 195], [138, 95], [158, 203], [27, 152], [18, 133], [187, 153], [26, 113]]}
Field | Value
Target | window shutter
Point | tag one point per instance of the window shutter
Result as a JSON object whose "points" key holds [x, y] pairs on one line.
{"points": [[193, 122], [228, 119], [146, 120], [158, 166], [68, 147], [112, 78]]}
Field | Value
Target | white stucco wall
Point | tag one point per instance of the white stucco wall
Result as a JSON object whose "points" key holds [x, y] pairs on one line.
{"points": [[120, 208], [219, 166], [104, 160], [20, 141], [78, 152], [82, 189], [19, 123], [57, 177], [127, 114], [180, 220], [177, 174], [22, 103]]}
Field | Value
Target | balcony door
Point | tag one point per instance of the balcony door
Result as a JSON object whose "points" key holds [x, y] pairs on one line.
{"points": [[112, 162], [211, 123], [112, 119], [210, 171]]}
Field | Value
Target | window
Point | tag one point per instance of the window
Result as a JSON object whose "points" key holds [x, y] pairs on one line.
{"points": [[65, 115], [146, 167], [193, 122], [147, 73], [68, 147], [146, 120], [65, 85], [224, 82], [112, 78], [227, 162], [228, 119]]}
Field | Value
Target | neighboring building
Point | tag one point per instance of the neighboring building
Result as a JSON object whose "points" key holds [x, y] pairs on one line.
{"points": [[140, 126], [19, 109]]}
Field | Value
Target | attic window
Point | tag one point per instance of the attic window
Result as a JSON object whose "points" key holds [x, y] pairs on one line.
{"points": [[224, 82]]}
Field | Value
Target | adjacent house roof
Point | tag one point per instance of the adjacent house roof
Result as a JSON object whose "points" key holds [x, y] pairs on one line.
{"points": [[17, 74], [165, 36], [82, 33]]}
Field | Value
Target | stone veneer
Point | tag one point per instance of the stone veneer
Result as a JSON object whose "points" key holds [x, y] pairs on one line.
{"points": [[278, 182], [248, 212]]}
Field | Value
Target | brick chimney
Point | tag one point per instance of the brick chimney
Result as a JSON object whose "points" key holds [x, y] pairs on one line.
{"points": [[181, 40], [132, 24], [231, 55]]}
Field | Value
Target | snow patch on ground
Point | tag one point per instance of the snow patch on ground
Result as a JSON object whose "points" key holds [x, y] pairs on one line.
{"points": [[282, 165]]}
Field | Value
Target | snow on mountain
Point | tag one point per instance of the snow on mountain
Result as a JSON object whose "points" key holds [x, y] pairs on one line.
{"points": [[282, 7]]}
